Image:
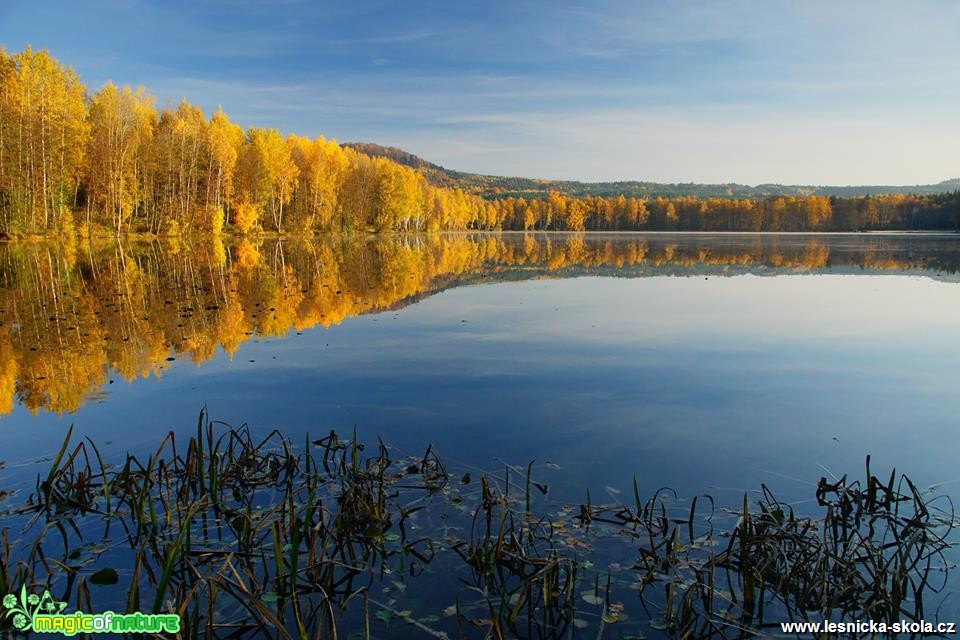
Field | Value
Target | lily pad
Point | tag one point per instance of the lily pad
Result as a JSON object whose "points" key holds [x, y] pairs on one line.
{"points": [[612, 617], [105, 577]]}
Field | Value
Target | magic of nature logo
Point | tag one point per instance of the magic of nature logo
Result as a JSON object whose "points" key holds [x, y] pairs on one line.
{"points": [[44, 614]]}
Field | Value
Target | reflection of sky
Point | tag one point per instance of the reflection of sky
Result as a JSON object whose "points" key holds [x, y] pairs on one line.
{"points": [[699, 383]]}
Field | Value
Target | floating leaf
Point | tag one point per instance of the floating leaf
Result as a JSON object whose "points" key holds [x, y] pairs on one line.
{"points": [[591, 598], [270, 596], [612, 617], [105, 577]]}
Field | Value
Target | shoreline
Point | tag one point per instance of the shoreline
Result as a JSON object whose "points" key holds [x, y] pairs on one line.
{"points": [[28, 239]]}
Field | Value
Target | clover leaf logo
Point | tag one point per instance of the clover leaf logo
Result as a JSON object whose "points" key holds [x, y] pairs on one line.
{"points": [[28, 605]]}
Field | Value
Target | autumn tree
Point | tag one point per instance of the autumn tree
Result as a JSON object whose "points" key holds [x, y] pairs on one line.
{"points": [[400, 197], [122, 123], [43, 129], [269, 174], [113, 159], [181, 170], [575, 215], [359, 193], [322, 165]]}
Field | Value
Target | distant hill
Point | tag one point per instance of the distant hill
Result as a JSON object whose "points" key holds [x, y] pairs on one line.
{"points": [[503, 186]]}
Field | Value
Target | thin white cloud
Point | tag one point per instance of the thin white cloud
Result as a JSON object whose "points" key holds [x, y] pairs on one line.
{"points": [[704, 146], [725, 90]]}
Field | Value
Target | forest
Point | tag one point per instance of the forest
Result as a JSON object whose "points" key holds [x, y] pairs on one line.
{"points": [[111, 163]]}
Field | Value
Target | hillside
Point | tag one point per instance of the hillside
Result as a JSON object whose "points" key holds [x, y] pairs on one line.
{"points": [[504, 186]]}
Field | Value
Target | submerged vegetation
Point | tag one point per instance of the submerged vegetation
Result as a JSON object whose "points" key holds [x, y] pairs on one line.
{"points": [[111, 163], [75, 315], [248, 536]]}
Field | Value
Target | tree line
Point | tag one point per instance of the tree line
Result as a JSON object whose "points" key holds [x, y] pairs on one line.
{"points": [[111, 162], [781, 213]]}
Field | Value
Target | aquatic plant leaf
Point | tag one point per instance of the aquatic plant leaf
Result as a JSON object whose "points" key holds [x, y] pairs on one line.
{"points": [[105, 577], [612, 617]]}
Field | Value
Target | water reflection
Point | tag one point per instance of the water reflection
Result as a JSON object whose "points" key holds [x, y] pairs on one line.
{"points": [[72, 316]]}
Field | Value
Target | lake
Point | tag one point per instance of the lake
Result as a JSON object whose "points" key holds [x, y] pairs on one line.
{"points": [[707, 363], [699, 361]]}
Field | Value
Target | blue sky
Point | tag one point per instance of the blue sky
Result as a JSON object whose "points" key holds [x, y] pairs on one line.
{"points": [[718, 91]]}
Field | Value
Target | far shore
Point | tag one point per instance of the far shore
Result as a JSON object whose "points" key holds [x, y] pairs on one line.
{"points": [[273, 235]]}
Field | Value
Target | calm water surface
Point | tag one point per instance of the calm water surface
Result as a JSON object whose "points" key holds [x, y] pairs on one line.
{"points": [[703, 362]]}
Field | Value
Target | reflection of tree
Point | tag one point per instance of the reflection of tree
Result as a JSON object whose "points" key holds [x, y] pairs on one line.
{"points": [[8, 372], [71, 314]]}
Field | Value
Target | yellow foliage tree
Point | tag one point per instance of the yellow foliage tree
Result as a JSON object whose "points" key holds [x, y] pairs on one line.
{"points": [[122, 124]]}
